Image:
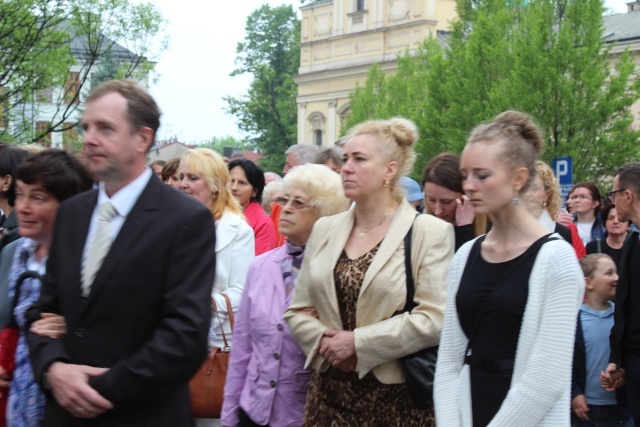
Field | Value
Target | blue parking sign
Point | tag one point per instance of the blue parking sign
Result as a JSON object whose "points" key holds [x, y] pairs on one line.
{"points": [[563, 169]]}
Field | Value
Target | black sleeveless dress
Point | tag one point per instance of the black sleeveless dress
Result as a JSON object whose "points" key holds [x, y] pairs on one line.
{"points": [[493, 349]]}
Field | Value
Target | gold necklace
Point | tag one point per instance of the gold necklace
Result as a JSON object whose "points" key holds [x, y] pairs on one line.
{"points": [[366, 230]]}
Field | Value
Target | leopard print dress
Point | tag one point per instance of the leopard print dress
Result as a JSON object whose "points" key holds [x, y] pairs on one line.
{"points": [[337, 398]]}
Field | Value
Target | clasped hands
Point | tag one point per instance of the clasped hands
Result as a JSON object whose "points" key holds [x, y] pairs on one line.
{"points": [[339, 349], [612, 377], [70, 383]]}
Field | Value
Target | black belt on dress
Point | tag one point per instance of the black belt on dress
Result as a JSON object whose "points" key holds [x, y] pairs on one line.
{"points": [[489, 363]]}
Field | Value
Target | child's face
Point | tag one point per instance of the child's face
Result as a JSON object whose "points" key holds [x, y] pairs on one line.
{"points": [[604, 279]]}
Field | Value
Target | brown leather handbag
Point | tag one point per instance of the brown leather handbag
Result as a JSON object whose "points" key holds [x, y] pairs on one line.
{"points": [[207, 385]]}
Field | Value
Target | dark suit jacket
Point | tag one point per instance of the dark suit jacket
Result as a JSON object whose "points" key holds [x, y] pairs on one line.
{"points": [[147, 316], [617, 332]]}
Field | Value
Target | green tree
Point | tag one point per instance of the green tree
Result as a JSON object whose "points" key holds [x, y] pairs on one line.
{"points": [[50, 49], [270, 53], [219, 143], [546, 58]]}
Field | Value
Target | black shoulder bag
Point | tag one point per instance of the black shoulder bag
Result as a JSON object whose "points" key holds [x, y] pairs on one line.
{"points": [[420, 367]]}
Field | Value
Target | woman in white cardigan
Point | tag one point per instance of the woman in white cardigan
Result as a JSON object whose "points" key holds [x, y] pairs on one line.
{"points": [[204, 175], [506, 349]]}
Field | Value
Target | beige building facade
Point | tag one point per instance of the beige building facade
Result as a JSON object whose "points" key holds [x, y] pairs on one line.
{"points": [[340, 39]]}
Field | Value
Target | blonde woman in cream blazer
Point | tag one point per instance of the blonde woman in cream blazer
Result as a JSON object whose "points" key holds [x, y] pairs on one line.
{"points": [[357, 377]]}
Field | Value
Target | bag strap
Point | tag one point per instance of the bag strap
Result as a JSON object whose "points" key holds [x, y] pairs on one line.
{"points": [[599, 244], [532, 250], [231, 318], [28, 274], [409, 304]]}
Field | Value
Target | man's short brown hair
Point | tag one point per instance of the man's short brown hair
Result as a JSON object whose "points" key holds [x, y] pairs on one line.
{"points": [[629, 177], [142, 109]]}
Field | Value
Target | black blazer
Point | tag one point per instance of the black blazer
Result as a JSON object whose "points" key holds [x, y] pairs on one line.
{"points": [[147, 316], [622, 291]]}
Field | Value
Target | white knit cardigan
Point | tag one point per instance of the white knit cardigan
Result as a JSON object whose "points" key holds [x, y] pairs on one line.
{"points": [[540, 387]]}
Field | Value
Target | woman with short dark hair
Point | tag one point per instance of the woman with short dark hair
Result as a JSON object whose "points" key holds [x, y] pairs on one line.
{"points": [[617, 232], [247, 185], [43, 181]]}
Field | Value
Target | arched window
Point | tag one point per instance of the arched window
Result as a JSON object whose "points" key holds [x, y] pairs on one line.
{"points": [[317, 122], [317, 137]]}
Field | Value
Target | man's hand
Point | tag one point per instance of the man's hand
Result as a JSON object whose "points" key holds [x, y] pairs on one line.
{"points": [[612, 377], [70, 386], [50, 325], [580, 407], [337, 347]]}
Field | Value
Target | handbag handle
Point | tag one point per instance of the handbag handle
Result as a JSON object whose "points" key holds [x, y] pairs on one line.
{"points": [[27, 274], [532, 250], [231, 318]]}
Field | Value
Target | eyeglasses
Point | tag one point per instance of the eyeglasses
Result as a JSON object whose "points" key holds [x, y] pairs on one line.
{"points": [[611, 195], [581, 197], [295, 203]]}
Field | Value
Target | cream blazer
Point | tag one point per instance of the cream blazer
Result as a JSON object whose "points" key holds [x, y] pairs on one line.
{"points": [[234, 253], [380, 338]]}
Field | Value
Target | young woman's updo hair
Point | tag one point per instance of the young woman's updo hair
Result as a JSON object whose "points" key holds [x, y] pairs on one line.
{"points": [[520, 137], [396, 138]]}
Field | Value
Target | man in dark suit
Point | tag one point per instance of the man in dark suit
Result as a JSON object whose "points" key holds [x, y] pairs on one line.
{"points": [[138, 309], [624, 361]]}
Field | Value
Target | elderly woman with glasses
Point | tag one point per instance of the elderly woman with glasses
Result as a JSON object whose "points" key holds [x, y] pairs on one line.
{"points": [[267, 382]]}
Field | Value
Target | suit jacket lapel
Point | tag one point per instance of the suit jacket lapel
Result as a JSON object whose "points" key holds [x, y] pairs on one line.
{"points": [[134, 226], [400, 225]]}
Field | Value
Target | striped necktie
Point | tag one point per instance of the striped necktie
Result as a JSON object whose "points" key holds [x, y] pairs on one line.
{"points": [[98, 248]]}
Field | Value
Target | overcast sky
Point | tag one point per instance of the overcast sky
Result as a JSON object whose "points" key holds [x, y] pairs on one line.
{"points": [[194, 70]]}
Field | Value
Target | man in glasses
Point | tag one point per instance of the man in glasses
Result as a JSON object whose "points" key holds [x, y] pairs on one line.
{"points": [[624, 362]]}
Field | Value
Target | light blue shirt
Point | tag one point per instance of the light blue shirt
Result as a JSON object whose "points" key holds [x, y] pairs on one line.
{"points": [[123, 201], [596, 327]]}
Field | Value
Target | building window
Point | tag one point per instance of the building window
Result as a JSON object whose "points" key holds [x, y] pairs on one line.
{"points": [[43, 133], [317, 137], [72, 88], [70, 137], [45, 96], [359, 5], [316, 127]]}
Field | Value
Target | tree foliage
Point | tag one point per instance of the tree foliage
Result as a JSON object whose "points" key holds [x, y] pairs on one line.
{"points": [[270, 53], [545, 57], [219, 143], [44, 41]]}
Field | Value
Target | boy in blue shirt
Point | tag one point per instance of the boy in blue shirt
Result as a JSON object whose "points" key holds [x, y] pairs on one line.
{"points": [[591, 404]]}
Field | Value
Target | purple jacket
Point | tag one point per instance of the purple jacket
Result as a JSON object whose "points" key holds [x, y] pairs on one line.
{"points": [[266, 377]]}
